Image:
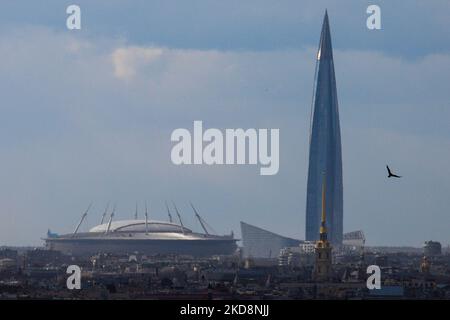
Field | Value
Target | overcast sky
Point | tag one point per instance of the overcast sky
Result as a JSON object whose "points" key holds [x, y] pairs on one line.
{"points": [[86, 115]]}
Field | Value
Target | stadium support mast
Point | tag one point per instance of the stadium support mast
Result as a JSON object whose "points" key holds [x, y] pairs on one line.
{"points": [[104, 213], [146, 218], [82, 218], [110, 220], [179, 217], [199, 218], [168, 212]]}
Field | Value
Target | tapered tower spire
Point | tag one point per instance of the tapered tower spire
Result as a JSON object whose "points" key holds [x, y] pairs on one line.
{"points": [[325, 149], [325, 48]]}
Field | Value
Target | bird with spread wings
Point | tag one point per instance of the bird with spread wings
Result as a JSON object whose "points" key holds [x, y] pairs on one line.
{"points": [[390, 174]]}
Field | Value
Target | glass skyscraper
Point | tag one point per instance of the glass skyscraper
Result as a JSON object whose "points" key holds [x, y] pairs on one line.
{"points": [[325, 148]]}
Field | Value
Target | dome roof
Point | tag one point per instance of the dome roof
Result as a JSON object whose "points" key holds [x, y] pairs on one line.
{"points": [[139, 226]]}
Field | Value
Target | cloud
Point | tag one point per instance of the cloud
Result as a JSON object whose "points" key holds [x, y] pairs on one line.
{"points": [[410, 28], [128, 60], [71, 132]]}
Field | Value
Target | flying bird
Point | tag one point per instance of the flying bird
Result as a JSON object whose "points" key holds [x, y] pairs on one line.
{"points": [[390, 174]]}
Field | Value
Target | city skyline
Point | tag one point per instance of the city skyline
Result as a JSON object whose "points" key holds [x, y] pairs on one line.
{"points": [[87, 115]]}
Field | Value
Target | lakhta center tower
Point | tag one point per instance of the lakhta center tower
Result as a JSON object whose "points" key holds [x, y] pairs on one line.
{"points": [[325, 148]]}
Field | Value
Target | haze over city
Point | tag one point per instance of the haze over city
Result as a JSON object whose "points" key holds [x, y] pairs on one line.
{"points": [[87, 115]]}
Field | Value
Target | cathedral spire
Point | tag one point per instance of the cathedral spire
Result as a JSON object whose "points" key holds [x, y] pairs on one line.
{"points": [[322, 270], [323, 225]]}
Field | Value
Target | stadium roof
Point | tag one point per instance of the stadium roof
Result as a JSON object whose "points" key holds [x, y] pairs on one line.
{"points": [[139, 226]]}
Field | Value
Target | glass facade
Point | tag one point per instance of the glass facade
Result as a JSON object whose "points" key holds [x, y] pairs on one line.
{"points": [[260, 243], [325, 148]]}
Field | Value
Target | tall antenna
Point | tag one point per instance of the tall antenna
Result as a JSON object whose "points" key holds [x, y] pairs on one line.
{"points": [[104, 213], [168, 212], [82, 218], [179, 217], [136, 212], [199, 218], [146, 218], [110, 219]]}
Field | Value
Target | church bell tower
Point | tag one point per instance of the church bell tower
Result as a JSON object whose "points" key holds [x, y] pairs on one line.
{"points": [[322, 268]]}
